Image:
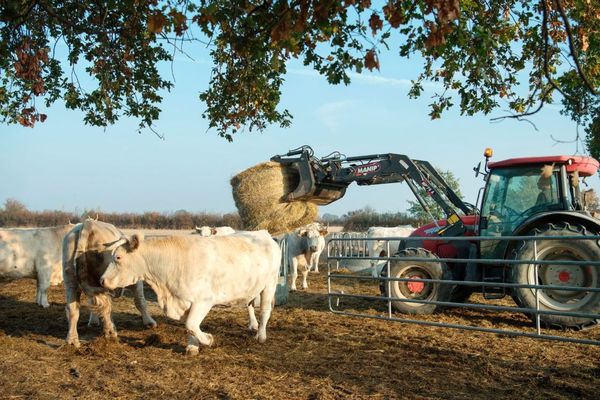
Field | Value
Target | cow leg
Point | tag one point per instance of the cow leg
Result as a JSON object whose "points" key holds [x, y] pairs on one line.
{"points": [[314, 262], [104, 305], [73, 296], [140, 304], [253, 325], [195, 336], [267, 300], [294, 273], [374, 269], [305, 270], [43, 283]]}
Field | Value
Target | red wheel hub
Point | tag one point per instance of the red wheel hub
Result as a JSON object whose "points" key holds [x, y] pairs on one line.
{"points": [[564, 276], [415, 287]]}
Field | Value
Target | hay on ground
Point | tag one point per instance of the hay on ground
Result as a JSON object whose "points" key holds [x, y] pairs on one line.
{"points": [[259, 193]]}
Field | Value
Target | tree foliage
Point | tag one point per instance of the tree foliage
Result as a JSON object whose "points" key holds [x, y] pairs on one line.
{"points": [[417, 212], [478, 52], [364, 218]]}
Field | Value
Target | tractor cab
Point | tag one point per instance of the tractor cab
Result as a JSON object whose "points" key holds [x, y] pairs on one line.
{"points": [[519, 190]]}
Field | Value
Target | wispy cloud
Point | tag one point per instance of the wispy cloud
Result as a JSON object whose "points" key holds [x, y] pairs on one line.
{"points": [[380, 80], [370, 79], [332, 114]]}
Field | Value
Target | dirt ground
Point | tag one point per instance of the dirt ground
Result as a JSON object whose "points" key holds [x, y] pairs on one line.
{"points": [[310, 354]]}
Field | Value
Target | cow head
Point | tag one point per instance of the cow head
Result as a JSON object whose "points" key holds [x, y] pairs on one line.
{"points": [[205, 230], [91, 256], [125, 267], [310, 239]]}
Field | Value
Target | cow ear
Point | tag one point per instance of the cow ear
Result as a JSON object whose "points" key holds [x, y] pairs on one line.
{"points": [[134, 242], [324, 232], [213, 231], [304, 233]]}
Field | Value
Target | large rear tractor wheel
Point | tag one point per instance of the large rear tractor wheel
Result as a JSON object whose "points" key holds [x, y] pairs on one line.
{"points": [[427, 269], [580, 276]]}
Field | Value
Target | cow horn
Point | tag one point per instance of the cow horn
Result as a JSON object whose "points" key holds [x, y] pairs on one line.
{"points": [[115, 244]]}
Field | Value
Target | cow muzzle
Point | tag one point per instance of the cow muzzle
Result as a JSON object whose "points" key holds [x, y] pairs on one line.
{"points": [[106, 284]]}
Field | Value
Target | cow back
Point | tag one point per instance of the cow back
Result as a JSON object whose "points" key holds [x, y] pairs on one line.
{"points": [[23, 250]]}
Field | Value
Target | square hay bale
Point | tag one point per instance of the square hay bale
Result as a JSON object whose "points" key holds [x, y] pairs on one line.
{"points": [[259, 193]]}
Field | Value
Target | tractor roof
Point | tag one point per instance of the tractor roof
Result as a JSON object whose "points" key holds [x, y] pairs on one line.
{"points": [[586, 166]]}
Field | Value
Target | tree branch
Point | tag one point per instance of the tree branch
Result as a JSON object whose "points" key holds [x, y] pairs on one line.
{"points": [[545, 57], [573, 49]]}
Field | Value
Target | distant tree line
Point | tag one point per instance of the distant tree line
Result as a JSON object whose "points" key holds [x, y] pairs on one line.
{"points": [[14, 213], [363, 219]]}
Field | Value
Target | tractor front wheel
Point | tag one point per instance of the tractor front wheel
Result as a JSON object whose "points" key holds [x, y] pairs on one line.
{"points": [[580, 276], [428, 268]]}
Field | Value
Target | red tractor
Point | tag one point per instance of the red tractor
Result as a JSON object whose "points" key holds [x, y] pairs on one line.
{"points": [[522, 197]]}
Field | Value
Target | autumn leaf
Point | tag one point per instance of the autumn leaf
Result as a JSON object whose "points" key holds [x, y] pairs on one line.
{"points": [[371, 60], [375, 23], [179, 24], [393, 14], [435, 37], [583, 40], [156, 22]]}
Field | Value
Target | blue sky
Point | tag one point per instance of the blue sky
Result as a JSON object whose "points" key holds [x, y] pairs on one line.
{"points": [[63, 164]]}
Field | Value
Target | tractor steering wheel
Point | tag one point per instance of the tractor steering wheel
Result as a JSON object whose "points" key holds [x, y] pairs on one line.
{"points": [[533, 209], [510, 212]]}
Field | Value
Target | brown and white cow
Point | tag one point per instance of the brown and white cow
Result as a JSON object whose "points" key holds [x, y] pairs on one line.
{"points": [[85, 258], [191, 274], [302, 245], [33, 253], [214, 230]]}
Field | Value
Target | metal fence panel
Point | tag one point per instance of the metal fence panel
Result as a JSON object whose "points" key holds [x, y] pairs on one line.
{"points": [[344, 249]]}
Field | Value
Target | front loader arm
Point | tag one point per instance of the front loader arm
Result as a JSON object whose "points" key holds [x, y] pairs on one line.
{"points": [[325, 180]]}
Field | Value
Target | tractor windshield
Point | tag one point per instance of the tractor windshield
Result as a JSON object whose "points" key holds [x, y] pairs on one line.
{"points": [[514, 195]]}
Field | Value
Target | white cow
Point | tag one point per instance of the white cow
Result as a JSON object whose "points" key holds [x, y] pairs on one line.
{"points": [[316, 255], [302, 245], [85, 259], [214, 231], [192, 274], [378, 248], [314, 260], [33, 253]]}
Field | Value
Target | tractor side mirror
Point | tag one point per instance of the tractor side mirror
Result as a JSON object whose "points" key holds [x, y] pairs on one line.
{"points": [[478, 170]]}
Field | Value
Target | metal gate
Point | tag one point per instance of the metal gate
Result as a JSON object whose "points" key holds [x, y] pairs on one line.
{"points": [[352, 292]]}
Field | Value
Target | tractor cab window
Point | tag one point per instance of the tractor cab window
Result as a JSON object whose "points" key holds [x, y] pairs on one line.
{"points": [[514, 195]]}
